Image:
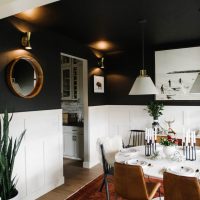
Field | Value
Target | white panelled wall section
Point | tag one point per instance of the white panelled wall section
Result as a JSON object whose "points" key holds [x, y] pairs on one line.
{"points": [[119, 120], [97, 127], [39, 163]]}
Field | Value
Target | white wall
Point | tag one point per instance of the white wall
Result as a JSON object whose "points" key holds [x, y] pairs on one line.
{"points": [[119, 120], [39, 163]]}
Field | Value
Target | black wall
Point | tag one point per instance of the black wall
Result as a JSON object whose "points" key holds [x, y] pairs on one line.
{"points": [[122, 70], [46, 48]]}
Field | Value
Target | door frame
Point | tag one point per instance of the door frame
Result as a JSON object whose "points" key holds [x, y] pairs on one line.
{"points": [[85, 107]]}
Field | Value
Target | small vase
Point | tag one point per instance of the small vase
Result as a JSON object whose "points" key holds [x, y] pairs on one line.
{"points": [[155, 123], [169, 150]]}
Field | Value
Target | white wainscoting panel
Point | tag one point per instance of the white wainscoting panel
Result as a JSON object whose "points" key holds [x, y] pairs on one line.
{"points": [[120, 120], [39, 163], [113, 120], [97, 127]]}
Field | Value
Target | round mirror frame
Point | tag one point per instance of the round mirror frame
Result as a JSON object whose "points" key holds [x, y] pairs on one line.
{"points": [[38, 71]]}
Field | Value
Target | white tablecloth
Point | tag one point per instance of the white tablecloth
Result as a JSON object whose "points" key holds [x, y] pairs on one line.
{"points": [[158, 166]]}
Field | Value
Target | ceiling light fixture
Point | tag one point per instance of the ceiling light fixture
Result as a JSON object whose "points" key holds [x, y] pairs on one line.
{"points": [[196, 85], [143, 84], [102, 45], [25, 41]]}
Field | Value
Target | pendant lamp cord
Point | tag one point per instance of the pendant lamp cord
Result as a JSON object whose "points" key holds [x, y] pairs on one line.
{"points": [[143, 23]]}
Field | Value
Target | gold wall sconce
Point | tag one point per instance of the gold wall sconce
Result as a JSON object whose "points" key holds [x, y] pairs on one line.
{"points": [[25, 41], [101, 63]]}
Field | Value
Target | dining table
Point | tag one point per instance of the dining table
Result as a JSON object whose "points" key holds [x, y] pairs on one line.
{"points": [[155, 165]]}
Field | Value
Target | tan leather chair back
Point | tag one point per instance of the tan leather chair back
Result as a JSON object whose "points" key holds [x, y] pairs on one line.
{"points": [[180, 187], [129, 182]]}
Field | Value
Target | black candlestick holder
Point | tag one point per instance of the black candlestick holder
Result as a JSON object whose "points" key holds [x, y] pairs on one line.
{"points": [[150, 147], [190, 152]]}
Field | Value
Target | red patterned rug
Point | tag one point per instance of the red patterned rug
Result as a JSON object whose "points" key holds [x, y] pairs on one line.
{"points": [[91, 191]]}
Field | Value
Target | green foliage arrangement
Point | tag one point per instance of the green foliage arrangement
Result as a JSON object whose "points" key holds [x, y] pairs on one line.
{"points": [[8, 151], [155, 109]]}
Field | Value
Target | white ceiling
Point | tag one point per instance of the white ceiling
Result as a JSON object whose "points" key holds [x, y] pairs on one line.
{"points": [[12, 7]]}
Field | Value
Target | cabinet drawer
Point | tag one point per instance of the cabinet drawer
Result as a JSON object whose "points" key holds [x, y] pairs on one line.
{"points": [[72, 129]]}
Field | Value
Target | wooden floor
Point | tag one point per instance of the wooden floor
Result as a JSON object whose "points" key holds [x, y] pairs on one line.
{"points": [[75, 178]]}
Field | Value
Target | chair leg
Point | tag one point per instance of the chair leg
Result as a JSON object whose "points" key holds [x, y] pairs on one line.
{"points": [[103, 183], [159, 193], [107, 190]]}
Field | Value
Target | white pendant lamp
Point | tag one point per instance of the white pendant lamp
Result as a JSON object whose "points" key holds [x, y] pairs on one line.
{"points": [[143, 84], [196, 86]]}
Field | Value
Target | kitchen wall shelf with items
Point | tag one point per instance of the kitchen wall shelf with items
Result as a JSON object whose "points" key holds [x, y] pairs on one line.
{"points": [[73, 142], [72, 119], [70, 78]]}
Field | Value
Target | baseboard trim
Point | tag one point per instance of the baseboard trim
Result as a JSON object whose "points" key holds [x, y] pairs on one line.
{"points": [[49, 187], [88, 164]]}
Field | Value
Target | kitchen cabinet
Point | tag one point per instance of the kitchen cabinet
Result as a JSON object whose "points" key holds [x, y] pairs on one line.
{"points": [[73, 142], [70, 78], [66, 82]]}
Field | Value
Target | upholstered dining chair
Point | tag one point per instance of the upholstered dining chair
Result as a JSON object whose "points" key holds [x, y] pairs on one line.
{"points": [[180, 187], [108, 147], [136, 138], [130, 183]]}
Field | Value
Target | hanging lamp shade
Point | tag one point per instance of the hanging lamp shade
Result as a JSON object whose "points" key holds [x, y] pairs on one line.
{"points": [[196, 86], [143, 85]]}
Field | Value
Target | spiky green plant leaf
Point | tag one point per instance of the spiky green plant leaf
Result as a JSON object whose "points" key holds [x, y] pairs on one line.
{"points": [[8, 152]]}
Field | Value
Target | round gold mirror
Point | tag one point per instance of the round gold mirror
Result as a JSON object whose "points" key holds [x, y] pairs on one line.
{"points": [[25, 76]]}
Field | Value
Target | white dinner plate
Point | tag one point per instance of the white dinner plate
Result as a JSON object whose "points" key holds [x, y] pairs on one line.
{"points": [[128, 152], [181, 170], [137, 162]]}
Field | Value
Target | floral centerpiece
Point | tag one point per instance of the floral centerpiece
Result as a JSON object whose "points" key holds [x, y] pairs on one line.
{"points": [[169, 145], [168, 141]]}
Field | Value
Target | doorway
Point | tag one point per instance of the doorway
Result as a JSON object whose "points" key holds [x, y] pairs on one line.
{"points": [[74, 104]]}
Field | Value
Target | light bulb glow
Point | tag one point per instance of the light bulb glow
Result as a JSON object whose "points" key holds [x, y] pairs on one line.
{"points": [[102, 45]]}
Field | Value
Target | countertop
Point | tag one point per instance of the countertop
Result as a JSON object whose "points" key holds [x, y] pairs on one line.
{"points": [[79, 124]]}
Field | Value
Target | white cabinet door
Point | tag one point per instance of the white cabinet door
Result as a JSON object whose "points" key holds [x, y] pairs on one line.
{"points": [[68, 145], [66, 83], [75, 82], [70, 78], [73, 142], [79, 146]]}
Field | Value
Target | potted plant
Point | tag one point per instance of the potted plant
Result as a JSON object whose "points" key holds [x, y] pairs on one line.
{"points": [[155, 109], [169, 145], [8, 151]]}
